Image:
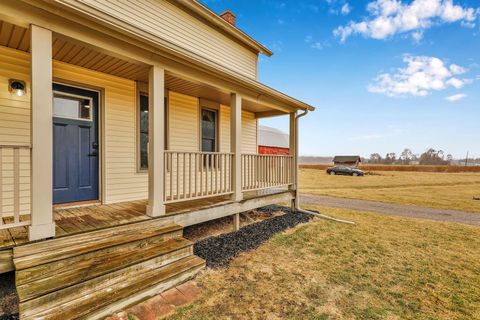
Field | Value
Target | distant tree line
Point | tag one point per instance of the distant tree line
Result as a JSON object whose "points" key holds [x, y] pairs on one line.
{"points": [[429, 157]]}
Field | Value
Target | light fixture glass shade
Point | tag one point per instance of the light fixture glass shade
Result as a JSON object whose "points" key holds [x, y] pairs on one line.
{"points": [[17, 87]]}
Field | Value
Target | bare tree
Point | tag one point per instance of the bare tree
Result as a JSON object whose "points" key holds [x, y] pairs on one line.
{"points": [[449, 159], [390, 158], [432, 157], [406, 156], [375, 158]]}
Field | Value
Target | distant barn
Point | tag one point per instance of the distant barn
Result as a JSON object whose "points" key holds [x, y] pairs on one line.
{"points": [[349, 161], [272, 141]]}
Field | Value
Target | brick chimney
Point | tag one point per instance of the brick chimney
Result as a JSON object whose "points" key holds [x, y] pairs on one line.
{"points": [[229, 17]]}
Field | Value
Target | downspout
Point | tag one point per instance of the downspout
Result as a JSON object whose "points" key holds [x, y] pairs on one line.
{"points": [[297, 198]]}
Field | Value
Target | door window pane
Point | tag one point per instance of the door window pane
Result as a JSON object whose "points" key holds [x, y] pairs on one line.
{"points": [[72, 107]]}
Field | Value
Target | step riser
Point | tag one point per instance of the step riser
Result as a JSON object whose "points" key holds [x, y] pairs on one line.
{"points": [[91, 259], [57, 249], [93, 265], [104, 295], [6, 261]]}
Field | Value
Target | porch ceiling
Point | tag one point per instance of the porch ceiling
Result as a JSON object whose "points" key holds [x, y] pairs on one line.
{"points": [[72, 52], [202, 90], [17, 37]]}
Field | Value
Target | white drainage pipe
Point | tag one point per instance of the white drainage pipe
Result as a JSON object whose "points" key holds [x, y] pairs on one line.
{"points": [[323, 216]]}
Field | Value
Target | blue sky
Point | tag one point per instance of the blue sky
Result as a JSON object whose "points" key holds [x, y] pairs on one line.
{"points": [[383, 74]]}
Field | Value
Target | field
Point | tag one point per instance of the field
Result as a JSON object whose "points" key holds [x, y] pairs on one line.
{"points": [[381, 268], [409, 168], [437, 190]]}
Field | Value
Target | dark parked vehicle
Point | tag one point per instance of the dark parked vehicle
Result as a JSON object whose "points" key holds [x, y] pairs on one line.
{"points": [[343, 170]]}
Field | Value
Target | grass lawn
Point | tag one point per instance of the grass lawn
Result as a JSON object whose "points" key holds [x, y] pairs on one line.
{"points": [[437, 190], [381, 268]]}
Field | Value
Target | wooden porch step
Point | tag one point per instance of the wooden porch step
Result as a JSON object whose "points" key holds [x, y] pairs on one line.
{"points": [[34, 254], [49, 277], [94, 298], [94, 273]]}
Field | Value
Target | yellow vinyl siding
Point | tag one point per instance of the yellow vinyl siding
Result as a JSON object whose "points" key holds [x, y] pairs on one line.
{"points": [[14, 128], [14, 110], [166, 21], [249, 131], [183, 122], [224, 133]]}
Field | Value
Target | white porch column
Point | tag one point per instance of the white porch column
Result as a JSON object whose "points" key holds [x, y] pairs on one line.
{"points": [[293, 151], [236, 144], [43, 225], [156, 141]]}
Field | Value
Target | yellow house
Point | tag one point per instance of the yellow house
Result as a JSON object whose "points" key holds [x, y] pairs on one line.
{"points": [[121, 122]]}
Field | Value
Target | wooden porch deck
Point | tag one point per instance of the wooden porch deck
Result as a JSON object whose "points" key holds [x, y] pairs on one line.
{"points": [[77, 220]]}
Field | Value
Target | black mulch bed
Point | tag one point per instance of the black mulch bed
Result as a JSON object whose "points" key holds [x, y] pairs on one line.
{"points": [[8, 297], [219, 251]]}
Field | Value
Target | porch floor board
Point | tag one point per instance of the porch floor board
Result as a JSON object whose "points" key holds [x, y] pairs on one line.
{"points": [[94, 217]]}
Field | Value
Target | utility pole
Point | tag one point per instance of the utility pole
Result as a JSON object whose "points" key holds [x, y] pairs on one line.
{"points": [[466, 159]]}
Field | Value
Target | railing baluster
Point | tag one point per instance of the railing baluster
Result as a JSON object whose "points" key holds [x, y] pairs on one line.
{"points": [[201, 164], [1, 186], [171, 176], [165, 177], [216, 173], [197, 169], [16, 184], [189, 175], [211, 173], [185, 177]]}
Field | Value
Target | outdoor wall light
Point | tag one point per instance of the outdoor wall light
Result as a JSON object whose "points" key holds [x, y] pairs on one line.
{"points": [[17, 87]]}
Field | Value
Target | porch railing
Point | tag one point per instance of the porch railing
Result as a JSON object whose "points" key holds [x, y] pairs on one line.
{"points": [[14, 182], [194, 175], [262, 171]]}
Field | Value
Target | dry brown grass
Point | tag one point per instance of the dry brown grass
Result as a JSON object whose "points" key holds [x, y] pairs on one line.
{"points": [[404, 168], [381, 268], [455, 191]]}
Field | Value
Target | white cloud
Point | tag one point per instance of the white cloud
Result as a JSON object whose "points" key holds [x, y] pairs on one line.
{"points": [[317, 45], [456, 69], [277, 46], [417, 36], [457, 83], [456, 97], [308, 39], [419, 77], [345, 9], [390, 17]]}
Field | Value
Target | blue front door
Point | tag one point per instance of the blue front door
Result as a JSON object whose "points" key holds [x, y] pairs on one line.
{"points": [[75, 144]]}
